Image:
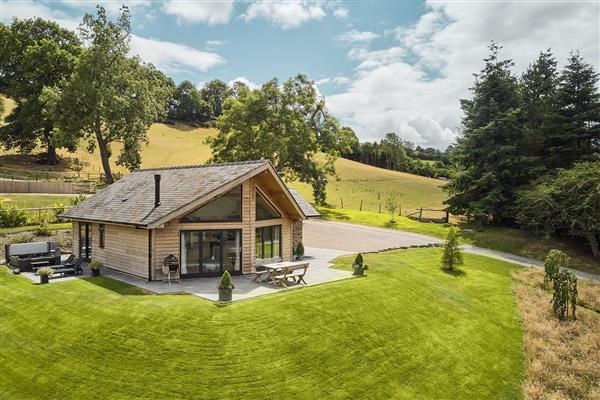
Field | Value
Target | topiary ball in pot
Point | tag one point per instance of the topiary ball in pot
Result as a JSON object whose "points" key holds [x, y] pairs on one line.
{"points": [[225, 287], [358, 266]]}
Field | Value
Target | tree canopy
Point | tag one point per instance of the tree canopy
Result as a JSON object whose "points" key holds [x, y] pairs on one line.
{"points": [[112, 97], [287, 124], [215, 93], [36, 55], [187, 105]]}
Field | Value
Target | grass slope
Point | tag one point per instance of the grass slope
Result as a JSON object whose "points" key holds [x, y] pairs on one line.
{"points": [[406, 331]]}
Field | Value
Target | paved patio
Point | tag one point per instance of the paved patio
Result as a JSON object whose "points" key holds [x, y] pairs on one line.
{"points": [[319, 272]]}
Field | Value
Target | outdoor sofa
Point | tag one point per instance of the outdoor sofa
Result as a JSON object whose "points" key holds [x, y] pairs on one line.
{"points": [[30, 256]]}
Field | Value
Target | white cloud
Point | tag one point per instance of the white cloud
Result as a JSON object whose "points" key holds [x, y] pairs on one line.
{"points": [[173, 57], [285, 14], [208, 12], [354, 36], [29, 9], [216, 43], [339, 79], [341, 12], [414, 86], [245, 80]]}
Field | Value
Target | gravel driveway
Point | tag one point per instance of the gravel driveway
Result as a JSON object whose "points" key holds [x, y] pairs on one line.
{"points": [[359, 238]]}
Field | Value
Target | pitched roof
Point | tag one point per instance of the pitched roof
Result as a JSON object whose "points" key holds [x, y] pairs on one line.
{"points": [[130, 200], [305, 206]]}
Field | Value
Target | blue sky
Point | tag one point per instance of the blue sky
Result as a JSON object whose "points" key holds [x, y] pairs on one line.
{"points": [[381, 65]]}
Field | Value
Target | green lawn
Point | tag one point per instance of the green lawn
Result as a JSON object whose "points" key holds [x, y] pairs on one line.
{"points": [[406, 331], [35, 200], [510, 240]]}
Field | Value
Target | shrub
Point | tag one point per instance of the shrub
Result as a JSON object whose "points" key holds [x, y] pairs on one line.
{"points": [[46, 271], [77, 199], [299, 250], [226, 281], [22, 238], [59, 209], [565, 294], [452, 256], [42, 229], [554, 261], [11, 217], [96, 265]]}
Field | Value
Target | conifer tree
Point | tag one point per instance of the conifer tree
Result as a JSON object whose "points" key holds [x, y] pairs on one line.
{"points": [[452, 256]]}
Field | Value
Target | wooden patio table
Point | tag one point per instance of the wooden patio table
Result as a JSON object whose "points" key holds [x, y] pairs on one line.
{"points": [[279, 272]]}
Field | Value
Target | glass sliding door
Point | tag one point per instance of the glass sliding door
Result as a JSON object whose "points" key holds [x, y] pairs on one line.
{"points": [[232, 250], [210, 252], [190, 253], [85, 241]]}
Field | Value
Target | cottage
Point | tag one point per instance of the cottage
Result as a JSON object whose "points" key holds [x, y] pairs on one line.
{"points": [[214, 218]]}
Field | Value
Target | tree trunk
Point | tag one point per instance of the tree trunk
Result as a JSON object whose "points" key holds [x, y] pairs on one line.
{"points": [[591, 237], [104, 156], [50, 158]]}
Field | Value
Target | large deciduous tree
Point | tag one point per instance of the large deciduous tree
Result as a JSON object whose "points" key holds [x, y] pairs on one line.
{"points": [[488, 152], [36, 55], [567, 203], [113, 98], [187, 105], [287, 124], [215, 93]]}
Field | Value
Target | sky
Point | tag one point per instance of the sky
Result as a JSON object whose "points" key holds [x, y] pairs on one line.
{"points": [[382, 66]]}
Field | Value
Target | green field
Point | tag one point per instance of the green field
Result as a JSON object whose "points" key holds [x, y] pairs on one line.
{"points": [[406, 331], [35, 200]]}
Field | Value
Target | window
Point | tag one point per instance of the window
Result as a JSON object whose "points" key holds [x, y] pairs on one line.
{"points": [[268, 242], [101, 236], [226, 208], [264, 209]]}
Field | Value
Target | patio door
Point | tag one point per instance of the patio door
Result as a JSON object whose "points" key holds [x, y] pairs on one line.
{"points": [[85, 241], [210, 252]]}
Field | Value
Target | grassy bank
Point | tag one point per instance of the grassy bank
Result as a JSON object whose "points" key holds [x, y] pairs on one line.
{"points": [[514, 241], [406, 331]]}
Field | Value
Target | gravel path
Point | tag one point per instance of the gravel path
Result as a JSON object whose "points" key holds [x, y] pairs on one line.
{"points": [[360, 238]]}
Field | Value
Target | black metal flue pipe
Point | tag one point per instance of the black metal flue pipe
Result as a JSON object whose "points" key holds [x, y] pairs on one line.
{"points": [[156, 190]]}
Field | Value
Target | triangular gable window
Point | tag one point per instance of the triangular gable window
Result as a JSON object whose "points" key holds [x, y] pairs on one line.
{"points": [[264, 209], [225, 208]]}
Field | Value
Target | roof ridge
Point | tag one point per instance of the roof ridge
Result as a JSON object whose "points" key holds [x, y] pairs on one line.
{"points": [[203, 165]]}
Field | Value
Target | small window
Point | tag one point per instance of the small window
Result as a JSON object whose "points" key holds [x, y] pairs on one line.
{"points": [[226, 208], [101, 236], [268, 242], [264, 209]]}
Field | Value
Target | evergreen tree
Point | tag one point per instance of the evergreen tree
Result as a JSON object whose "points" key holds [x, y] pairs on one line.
{"points": [[539, 87], [452, 256], [488, 152], [578, 136]]}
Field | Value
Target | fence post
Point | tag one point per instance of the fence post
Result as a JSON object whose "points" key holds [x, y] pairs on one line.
{"points": [[342, 201], [379, 207], [360, 206], [420, 214], [447, 216], [400, 210]]}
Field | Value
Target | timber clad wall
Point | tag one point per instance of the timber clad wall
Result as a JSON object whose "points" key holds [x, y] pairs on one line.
{"points": [[125, 248]]}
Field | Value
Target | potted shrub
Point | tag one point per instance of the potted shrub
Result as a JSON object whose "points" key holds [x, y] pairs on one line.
{"points": [[358, 266], [95, 267], [225, 287], [44, 274], [299, 251]]}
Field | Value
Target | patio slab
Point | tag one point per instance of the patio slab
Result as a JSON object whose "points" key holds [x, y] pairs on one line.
{"points": [[318, 272]]}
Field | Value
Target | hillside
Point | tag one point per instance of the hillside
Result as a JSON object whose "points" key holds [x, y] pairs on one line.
{"points": [[183, 145]]}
